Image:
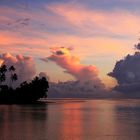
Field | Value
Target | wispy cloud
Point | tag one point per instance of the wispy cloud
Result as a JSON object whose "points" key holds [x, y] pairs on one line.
{"points": [[119, 22]]}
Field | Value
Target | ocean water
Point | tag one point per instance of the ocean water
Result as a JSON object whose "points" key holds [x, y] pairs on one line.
{"points": [[71, 120]]}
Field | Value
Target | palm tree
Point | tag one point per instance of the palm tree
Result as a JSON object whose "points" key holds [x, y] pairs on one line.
{"points": [[12, 69], [3, 70], [2, 77], [13, 75]]}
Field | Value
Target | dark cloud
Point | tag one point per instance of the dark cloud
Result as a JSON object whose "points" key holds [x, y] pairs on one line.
{"points": [[127, 74], [71, 89], [59, 53], [19, 22], [24, 21], [128, 88], [137, 46]]}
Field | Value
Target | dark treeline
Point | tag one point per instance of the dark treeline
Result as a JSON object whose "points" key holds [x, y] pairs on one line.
{"points": [[27, 92]]}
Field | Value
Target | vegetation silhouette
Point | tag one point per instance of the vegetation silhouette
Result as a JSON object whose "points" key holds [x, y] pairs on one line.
{"points": [[27, 92]]}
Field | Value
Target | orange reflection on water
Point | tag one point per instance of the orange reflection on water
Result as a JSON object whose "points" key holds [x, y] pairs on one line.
{"points": [[72, 124]]}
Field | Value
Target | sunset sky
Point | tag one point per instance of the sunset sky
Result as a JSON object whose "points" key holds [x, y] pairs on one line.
{"points": [[87, 32]]}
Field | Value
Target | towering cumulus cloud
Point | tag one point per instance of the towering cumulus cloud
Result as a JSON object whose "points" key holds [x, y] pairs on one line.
{"points": [[127, 74], [87, 80], [25, 67], [71, 64]]}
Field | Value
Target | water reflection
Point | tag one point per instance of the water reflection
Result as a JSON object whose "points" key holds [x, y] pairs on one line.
{"points": [[22, 122], [72, 120], [128, 118]]}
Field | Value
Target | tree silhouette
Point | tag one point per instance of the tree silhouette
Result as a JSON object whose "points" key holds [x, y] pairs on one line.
{"points": [[3, 70], [33, 91], [27, 92], [12, 68], [2, 77], [14, 76]]}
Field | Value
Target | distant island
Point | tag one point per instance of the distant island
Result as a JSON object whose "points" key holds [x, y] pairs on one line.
{"points": [[27, 92]]}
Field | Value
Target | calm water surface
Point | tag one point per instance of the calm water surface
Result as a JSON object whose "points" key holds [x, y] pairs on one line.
{"points": [[72, 120]]}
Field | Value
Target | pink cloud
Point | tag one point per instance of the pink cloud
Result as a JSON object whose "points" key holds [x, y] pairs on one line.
{"points": [[25, 66], [71, 63]]}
